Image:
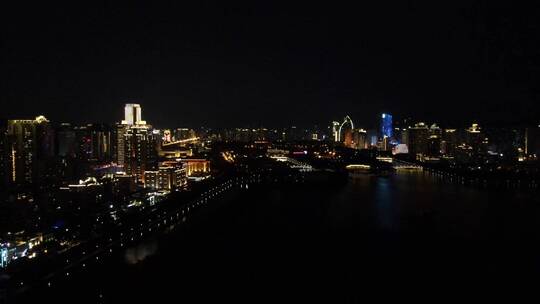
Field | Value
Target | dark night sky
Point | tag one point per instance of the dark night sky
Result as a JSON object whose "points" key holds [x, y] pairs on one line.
{"points": [[271, 64]]}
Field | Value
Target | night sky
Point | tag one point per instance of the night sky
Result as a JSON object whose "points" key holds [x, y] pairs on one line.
{"points": [[239, 64]]}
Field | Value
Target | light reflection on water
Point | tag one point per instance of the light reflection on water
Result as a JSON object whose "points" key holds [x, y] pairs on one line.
{"points": [[385, 206]]}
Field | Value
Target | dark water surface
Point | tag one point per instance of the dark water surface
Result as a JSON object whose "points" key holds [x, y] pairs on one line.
{"points": [[327, 243]]}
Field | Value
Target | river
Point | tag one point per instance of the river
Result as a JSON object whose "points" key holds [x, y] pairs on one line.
{"points": [[324, 242]]}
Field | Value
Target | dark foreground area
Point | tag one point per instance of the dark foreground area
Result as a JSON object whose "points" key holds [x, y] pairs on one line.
{"points": [[405, 235]]}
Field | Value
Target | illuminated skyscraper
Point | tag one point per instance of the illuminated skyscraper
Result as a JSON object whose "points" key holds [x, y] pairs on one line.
{"points": [[4, 174], [133, 115], [119, 134], [348, 138], [136, 144], [66, 140], [372, 137], [359, 139], [417, 140], [532, 141], [434, 141], [92, 142], [139, 151], [449, 142], [339, 130], [386, 125], [475, 138], [100, 136], [335, 130], [27, 140]]}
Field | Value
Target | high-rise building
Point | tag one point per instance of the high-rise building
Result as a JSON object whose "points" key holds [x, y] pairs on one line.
{"points": [[506, 143], [347, 136], [386, 126], [139, 144], [120, 132], [133, 115], [28, 140], [83, 144], [476, 140], [532, 142], [435, 130], [346, 126], [417, 138], [384, 144], [372, 136], [92, 142], [433, 146], [140, 152], [66, 141], [449, 142], [405, 137], [339, 130], [4, 173], [434, 142], [359, 139], [100, 142], [335, 130]]}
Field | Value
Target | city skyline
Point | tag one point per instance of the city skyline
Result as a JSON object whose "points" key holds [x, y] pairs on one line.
{"points": [[209, 152], [135, 147], [372, 122]]}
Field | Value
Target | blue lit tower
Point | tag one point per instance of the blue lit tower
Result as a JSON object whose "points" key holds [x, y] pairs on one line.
{"points": [[386, 125]]}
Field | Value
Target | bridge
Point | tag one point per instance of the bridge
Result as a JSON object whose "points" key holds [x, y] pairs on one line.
{"points": [[400, 164], [293, 163], [181, 142]]}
